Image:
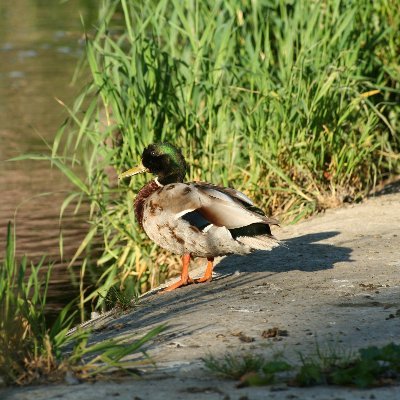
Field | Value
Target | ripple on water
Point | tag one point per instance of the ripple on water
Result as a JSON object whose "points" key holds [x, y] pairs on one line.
{"points": [[16, 74], [27, 54], [6, 46]]}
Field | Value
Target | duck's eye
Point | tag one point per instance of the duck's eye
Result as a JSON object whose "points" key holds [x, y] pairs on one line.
{"points": [[153, 153]]}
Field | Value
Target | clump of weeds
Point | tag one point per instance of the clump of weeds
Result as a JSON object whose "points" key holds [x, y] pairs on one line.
{"points": [[31, 351], [249, 369], [372, 366], [369, 367]]}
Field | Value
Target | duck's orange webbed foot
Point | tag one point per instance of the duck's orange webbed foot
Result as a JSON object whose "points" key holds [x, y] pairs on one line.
{"points": [[185, 278], [207, 277], [177, 285]]}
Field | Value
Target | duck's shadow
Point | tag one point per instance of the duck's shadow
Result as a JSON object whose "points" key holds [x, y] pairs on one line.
{"points": [[302, 253]]}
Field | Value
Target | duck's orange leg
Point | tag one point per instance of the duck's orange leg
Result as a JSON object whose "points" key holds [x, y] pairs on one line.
{"points": [[185, 278], [207, 277]]}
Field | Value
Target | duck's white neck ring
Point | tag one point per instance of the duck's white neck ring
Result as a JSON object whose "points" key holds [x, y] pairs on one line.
{"points": [[158, 183]]}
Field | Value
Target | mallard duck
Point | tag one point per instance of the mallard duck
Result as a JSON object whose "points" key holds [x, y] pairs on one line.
{"points": [[195, 219]]}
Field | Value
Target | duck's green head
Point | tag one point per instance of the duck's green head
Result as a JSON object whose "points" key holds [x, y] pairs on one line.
{"points": [[163, 160]]}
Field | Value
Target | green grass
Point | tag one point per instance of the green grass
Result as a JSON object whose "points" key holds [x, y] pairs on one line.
{"points": [[249, 369], [372, 366], [32, 351], [234, 367], [369, 367], [295, 103]]}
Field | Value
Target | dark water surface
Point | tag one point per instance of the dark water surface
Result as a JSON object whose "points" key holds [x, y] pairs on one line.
{"points": [[40, 45]]}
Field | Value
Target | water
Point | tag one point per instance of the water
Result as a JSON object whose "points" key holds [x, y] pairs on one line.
{"points": [[40, 44]]}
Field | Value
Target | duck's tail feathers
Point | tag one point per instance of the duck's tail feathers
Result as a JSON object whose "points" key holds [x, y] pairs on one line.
{"points": [[259, 242]]}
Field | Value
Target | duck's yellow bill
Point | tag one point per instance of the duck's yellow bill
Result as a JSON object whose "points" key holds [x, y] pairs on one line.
{"points": [[133, 171]]}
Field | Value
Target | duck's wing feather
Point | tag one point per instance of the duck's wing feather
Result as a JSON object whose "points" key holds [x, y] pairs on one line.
{"points": [[234, 208], [203, 204], [224, 193]]}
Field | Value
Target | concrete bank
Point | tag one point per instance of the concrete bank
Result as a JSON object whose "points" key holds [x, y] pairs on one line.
{"points": [[336, 282]]}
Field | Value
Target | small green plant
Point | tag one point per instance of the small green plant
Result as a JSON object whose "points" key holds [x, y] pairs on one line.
{"points": [[372, 366], [250, 369], [234, 366], [121, 299], [369, 367], [30, 350]]}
